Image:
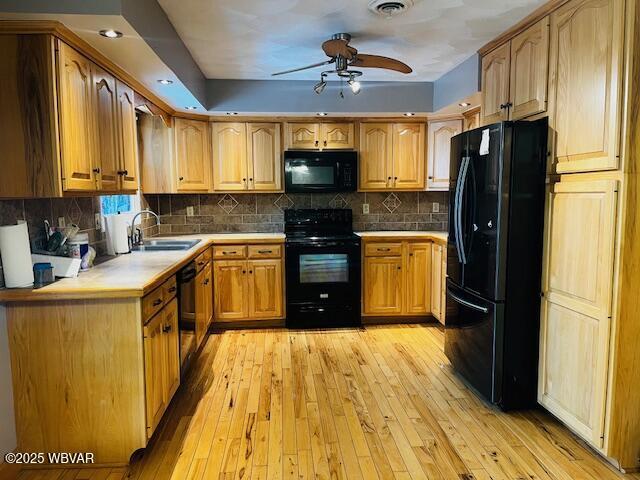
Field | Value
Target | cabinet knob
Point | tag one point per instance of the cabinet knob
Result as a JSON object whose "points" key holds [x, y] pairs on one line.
{"points": [[181, 178], [395, 178], [316, 143], [411, 254], [399, 268], [123, 172], [250, 179], [325, 143], [244, 271], [206, 281], [430, 177], [166, 328], [96, 170], [250, 272], [157, 302]]}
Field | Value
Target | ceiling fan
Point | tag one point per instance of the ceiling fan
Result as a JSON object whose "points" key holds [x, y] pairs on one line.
{"points": [[345, 56]]}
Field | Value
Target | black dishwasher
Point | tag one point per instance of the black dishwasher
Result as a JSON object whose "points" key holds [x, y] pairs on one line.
{"points": [[187, 320]]}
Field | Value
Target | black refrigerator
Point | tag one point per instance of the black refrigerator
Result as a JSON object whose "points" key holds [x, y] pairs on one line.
{"points": [[494, 259]]}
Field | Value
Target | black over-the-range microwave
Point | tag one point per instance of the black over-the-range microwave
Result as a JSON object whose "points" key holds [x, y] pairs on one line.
{"points": [[327, 171]]}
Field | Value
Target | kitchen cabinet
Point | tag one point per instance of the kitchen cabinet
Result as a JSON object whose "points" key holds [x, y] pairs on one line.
{"points": [[576, 306], [397, 278], [128, 164], [585, 82], [203, 302], [515, 76], [495, 85], [155, 147], [249, 282], [392, 156], [247, 156], [439, 152], [471, 119], [323, 136], [76, 120], [192, 155], [438, 278], [105, 105]]}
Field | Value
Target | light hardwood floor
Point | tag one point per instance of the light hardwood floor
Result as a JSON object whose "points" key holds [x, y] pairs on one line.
{"points": [[380, 402]]}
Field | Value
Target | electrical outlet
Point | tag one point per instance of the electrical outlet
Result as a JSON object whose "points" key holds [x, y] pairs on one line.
{"points": [[62, 222], [436, 207], [189, 211], [365, 208], [98, 221]]}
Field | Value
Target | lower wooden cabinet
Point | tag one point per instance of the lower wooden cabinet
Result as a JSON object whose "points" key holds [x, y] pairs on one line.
{"points": [[203, 302], [251, 286], [397, 278], [438, 281], [161, 363]]}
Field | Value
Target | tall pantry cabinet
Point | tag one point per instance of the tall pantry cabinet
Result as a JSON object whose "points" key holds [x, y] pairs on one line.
{"points": [[588, 367]]}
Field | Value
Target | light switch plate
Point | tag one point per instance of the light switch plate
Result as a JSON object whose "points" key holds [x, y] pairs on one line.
{"points": [[436, 207], [365, 208], [98, 221], [62, 222], [189, 211]]}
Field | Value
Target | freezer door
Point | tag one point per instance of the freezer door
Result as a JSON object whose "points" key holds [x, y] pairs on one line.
{"points": [[482, 199], [473, 341], [458, 162]]}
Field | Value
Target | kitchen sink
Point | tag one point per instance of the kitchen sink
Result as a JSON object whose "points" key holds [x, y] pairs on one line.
{"points": [[166, 245]]}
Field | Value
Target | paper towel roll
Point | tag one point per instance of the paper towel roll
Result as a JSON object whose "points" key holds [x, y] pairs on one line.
{"points": [[16, 256], [117, 233]]}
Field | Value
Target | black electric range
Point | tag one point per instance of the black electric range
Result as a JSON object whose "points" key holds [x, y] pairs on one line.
{"points": [[322, 268]]}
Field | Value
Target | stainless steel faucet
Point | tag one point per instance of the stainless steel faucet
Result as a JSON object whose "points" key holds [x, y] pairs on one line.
{"points": [[136, 238]]}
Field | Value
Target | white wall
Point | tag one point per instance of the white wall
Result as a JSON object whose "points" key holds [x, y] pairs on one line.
{"points": [[7, 431]]}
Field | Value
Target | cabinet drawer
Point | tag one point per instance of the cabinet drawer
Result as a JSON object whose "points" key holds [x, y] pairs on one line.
{"points": [[265, 251], [230, 252], [203, 258], [169, 289], [152, 303], [383, 249]]}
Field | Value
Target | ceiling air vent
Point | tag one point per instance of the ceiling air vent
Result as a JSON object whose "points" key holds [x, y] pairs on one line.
{"points": [[390, 8]]}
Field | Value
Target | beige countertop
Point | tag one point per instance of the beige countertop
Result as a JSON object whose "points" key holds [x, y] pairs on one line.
{"points": [[405, 235], [131, 275]]}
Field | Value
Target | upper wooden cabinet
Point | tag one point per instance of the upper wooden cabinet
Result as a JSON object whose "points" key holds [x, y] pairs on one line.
{"points": [[75, 104], [439, 152], [392, 156], [585, 79], [155, 147], [65, 121], [514, 76], [529, 71], [304, 136], [192, 155], [495, 85], [471, 119], [247, 156]]}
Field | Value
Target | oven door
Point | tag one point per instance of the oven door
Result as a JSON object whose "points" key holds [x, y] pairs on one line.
{"points": [[311, 175]]}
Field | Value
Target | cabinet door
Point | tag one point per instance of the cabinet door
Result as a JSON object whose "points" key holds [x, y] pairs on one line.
{"points": [[418, 278], [203, 301], [439, 153], [230, 292], [172, 349], [265, 289], [192, 157], [128, 171], [436, 281], [302, 136], [576, 306], [76, 120], [495, 85], [264, 156], [230, 156], [336, 135], [154, 370], [529, 71], [375, 156], [105, 107], [408, 156], [585, 72], [471, 119], [383, 285]]}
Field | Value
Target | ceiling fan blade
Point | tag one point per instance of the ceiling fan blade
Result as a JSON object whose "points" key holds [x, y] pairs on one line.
{"points": [[319, 64], [339, 46], [377, 61]]}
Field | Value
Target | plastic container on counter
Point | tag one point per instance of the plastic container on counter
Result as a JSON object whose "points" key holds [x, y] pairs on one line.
{"points": [[78, 245], [42, 274]]}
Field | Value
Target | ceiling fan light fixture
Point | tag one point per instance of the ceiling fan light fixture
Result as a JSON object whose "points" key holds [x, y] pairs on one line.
{"points": [[355, 86]]}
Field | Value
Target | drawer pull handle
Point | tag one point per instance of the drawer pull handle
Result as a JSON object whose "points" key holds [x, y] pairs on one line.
{"points": [[265, 251], [157, 302], [384, 249], [172, 289], [206, 281], [226, 252], [166, 328]]}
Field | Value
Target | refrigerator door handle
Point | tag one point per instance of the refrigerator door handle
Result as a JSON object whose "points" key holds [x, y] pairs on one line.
{"points": [[462, 178], [467, 303]]}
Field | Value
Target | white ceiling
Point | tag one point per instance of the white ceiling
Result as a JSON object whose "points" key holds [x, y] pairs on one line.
{"points": [[250, 39]]}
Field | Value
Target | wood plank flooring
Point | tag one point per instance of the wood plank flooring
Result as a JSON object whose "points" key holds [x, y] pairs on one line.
{"points": [[374, 403]]}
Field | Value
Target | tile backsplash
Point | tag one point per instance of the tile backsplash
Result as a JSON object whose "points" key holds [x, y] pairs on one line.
{"points": [[248, 212]]}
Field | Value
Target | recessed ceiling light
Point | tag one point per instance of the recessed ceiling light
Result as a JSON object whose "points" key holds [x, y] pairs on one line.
{"points": [[191, 108], [464, 104], [165, 81], [322, 114], [232, 113], [409, 114], [110, 33]]}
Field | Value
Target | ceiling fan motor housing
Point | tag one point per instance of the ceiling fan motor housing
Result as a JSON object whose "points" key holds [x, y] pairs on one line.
{"points": [[390, 8]]}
